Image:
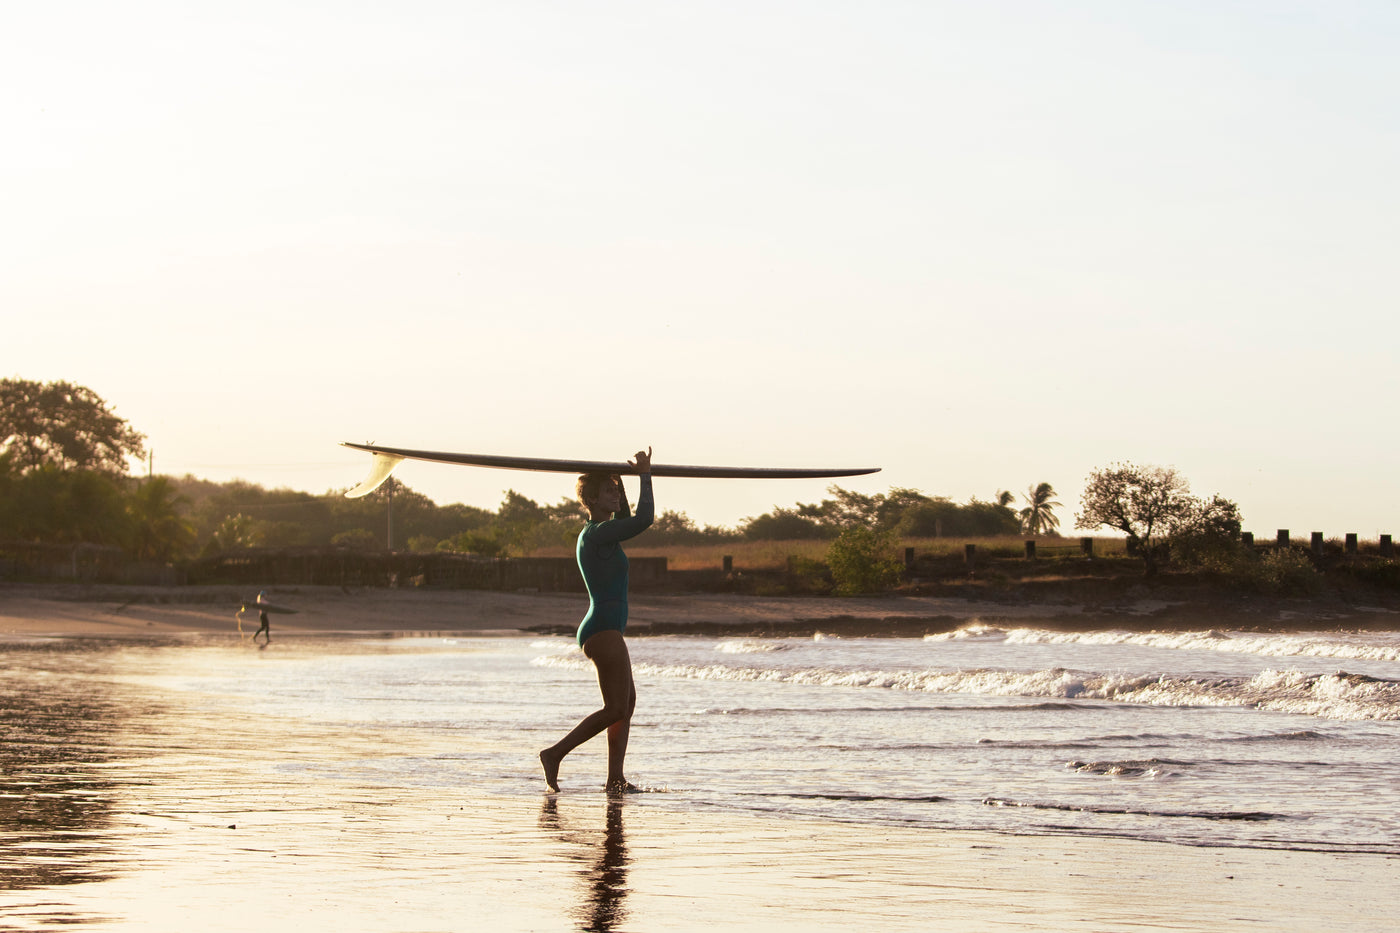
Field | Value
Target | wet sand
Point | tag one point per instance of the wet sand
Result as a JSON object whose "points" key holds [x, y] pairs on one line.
{"points": [[37, 609], [211, 816], [581, 862], [133, 611]]}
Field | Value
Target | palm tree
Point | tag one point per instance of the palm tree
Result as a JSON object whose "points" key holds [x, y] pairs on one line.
{"points": [[1038, 517], [161, 532]]}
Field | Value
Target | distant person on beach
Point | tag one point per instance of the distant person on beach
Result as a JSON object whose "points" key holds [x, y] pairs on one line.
{"points": [[604, 568], [264, 626]]}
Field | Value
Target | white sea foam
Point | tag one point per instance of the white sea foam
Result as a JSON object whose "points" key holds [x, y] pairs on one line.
{"points": [[1330, 696], [1273, 645], [1149, 769], [749, 646], [973, 629]]}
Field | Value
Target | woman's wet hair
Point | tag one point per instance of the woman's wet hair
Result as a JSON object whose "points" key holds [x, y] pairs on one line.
{"points": [[589, 485]]}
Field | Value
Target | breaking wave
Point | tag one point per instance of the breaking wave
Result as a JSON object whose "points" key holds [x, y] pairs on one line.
{"points": [[1271, 645], [1341, 695], [750, 646], [1251, 816]]}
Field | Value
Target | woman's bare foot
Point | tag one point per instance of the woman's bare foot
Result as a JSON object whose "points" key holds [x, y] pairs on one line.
{"points": [[623, 786], [551, 770]]}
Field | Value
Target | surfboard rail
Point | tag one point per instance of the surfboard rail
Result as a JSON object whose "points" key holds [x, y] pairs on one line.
{"points": [[385, 459]]}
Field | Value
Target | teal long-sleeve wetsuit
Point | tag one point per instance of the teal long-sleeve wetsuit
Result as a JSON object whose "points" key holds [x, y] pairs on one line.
{"points": [[604, 565]]}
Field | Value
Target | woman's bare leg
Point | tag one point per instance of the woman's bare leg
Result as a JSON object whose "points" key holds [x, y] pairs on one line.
{"points": [[617, 744], [608, 652]]}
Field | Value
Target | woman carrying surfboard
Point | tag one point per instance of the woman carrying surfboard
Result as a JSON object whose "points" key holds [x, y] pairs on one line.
{"points": [[600, 634]]}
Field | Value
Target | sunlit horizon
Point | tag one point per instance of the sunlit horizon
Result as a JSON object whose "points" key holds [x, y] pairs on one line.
{"points": [[978, 246]]}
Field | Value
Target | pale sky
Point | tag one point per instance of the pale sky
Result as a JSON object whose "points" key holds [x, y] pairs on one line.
{"points": [[980, 245]]}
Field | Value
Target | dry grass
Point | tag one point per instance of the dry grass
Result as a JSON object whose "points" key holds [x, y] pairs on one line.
{"points": [[748, 555], [773, 555]]}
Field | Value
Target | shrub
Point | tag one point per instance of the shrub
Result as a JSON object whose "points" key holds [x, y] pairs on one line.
{"points": [[358, 538], [481, 543], [1377, 572], [863, 561], [806, 575], [1284, 572]]}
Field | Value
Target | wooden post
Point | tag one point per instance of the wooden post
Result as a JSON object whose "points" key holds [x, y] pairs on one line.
{"points": [[1087, 546], [728, 563], [1387, 548], [1030, 550], [908, 558], [970, 552], [1317, 543], [1247, 539], [1351, 542], [1283, 537]]}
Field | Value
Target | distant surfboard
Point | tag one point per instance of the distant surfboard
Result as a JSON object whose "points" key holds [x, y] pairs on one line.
{"points": [[385, 459], [253, 605]]}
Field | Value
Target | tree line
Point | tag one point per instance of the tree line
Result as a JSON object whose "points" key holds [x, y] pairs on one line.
{"points": [[64, 479], [64, 458]]}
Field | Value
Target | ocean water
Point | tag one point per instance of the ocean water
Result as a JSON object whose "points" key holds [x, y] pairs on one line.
{"points": [[1202, 738], [1209, 738]]}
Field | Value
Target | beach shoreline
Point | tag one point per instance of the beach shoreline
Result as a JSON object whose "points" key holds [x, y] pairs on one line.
{"points": [[602, 865], [581, 861], [328, 819], [134, 611]]}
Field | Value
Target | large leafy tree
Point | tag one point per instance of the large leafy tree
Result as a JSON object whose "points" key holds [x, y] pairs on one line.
{"points": [[63, 425], [1150, 504], [1211, 537], [522, 525], [784, 525], [941, 517], [846, 509], [64, 507], [890, 509], [1038, 517]]}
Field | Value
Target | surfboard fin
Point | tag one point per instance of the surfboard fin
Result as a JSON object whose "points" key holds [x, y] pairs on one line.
{"points": [[381, 465]]}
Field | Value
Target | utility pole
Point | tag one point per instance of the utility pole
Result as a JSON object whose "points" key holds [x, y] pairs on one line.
{"points": [[391, 513]]}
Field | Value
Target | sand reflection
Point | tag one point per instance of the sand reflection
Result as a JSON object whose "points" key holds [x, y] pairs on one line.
{"points": [[56, 801], [604, 856]]}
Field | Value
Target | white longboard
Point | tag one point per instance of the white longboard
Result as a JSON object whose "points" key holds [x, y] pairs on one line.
{"points": [[385, 459], [253, 606]]}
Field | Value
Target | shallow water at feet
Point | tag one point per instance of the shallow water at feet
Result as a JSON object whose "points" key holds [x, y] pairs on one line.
{"points": [[114, 750]]}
